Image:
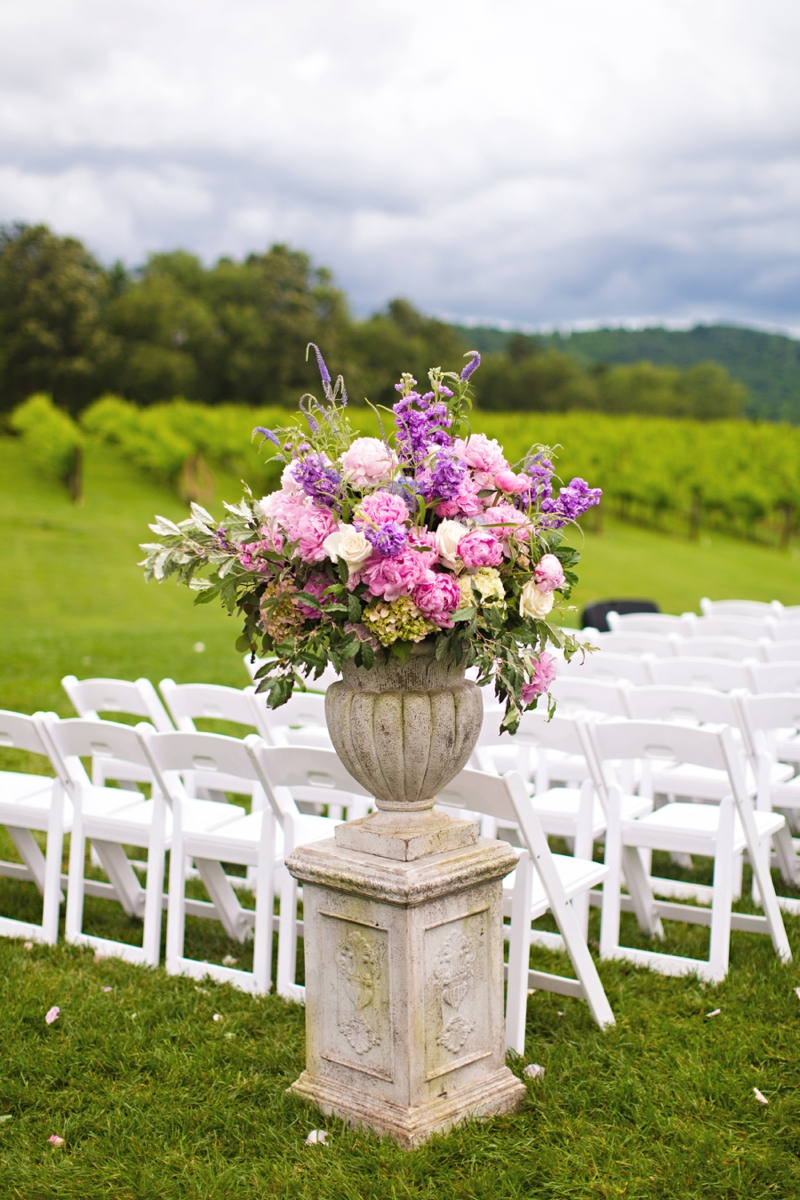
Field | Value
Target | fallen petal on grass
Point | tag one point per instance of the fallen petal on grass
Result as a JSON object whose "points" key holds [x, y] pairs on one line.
{"points": [[107, 989], [52, 1015], [229, 961], [317, 1137], [534, 1071], [27, 945], [760, 1097], [6, 1117], [134, 1016], [797, 993], [217, 1017], [714, 1013], [55, 1140]]}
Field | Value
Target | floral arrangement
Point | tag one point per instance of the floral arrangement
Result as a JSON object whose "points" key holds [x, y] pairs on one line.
{"points": [[372, 544]]}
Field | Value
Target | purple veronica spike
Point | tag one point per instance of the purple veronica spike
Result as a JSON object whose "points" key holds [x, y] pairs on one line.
{"points": [[323, 370], [472, 365], [268, 435]]}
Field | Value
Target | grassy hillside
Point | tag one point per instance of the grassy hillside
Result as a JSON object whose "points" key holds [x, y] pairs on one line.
{"points": [[73, 600], [768, 364]]}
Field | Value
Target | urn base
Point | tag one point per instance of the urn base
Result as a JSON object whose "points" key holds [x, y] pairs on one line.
{"points": [[406, 836]]}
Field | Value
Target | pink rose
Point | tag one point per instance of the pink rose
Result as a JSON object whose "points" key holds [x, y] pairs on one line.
{"points": [[514, 485], [480, 548], [393, 577], [368, 461], [313, 526], [483, 456], [381, 507], [508, 522], [548, 573], [436, 596], [544, 673]]}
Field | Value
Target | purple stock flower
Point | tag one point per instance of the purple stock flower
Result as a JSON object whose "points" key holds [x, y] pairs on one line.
{"points": [[390, 540], [418, 424], [472, 365], [443, 481], [318, 480], [570, 503]]}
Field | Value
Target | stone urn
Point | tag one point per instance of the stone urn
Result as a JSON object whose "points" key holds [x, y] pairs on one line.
{"points": [[404, 730], [403, 916]]}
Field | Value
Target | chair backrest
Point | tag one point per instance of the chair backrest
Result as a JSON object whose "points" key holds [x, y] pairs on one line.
{"points": [[780, 651], [328, 676], [785, 630], [574, 695], [138, 698], [480, 792], [730, 648], [775, 677], [175, 753], [718, 674], [85, 737], [636, 643], [188, 702], [748, 629], [662, 741], [21, 732], [778, 711], [609, 666], [559, 733], [301, 710], [685, 705], [659, 623], [741, 608], [289, 773]]}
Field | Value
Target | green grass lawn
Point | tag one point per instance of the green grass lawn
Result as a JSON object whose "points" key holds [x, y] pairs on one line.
{"points": [[155, 1098]]}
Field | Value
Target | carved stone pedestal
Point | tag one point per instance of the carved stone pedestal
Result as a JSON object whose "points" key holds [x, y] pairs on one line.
{"points": [[404, 975]]}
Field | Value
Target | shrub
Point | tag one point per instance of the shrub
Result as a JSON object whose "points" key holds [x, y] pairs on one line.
{"points": [[52, 440]]}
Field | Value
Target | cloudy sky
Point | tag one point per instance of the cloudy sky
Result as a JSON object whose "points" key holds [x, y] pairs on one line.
{"points": [[533, 162]]}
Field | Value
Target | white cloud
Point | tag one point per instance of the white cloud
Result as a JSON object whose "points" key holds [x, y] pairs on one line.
{"points": [[530, 160]]}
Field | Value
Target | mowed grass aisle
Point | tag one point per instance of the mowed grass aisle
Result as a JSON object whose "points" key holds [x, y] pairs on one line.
{"points": [[156, 1098]]}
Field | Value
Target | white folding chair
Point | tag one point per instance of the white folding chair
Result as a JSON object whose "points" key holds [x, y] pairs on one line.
{"points": [[774, 677], [541, 881], [741, 608], [659, 644], [660, 623], [748, 629], [717, 674], [135, 698], [31, 803], [715, 831], [290, 777], [298, 722], [784, 630], [780, 651], [733, 649], [610, 667], [250, 840], [112, 819]]}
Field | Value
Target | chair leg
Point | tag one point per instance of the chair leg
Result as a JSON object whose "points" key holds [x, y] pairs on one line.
{"points": [[176, 907], [29, 852], [641, 893], [584, 847], [722, 896], [53, 895], [265, 903], [519, 955], [73, 924], [226, 902], [151, 937], [766, 889], [612, 889], [287, 936]]}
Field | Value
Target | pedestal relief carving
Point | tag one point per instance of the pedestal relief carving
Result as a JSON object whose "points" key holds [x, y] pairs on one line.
{"points": [[355, 993], [454, 971], [457, 993], [360, 971]]}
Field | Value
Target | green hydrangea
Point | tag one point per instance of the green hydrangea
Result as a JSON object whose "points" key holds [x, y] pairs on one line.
{"points": [[399, 621], [489, 585]]}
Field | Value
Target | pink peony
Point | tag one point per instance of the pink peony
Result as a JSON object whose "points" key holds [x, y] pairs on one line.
{"points": [[548, 573], [544, 673], [251, 553], [368, 461], [480, 548], [429, 556], [381, 507], [514, 485], [436, 596], [393, 577], [508, 522], [313, 526], [483, 456]]}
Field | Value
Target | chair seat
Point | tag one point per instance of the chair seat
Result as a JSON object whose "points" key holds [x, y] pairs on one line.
{"points": [[16, 785], [108, 820], [32, 811], [692, 828], [557, 810], [577, 875], [239, 840]]}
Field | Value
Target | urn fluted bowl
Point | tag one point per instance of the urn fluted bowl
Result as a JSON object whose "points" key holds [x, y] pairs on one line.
{"points": [[404, 730]]}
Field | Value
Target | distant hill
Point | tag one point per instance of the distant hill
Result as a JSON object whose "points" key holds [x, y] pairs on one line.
{"points": [[768, 364]]}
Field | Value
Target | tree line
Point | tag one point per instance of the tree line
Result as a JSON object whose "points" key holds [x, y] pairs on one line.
{"points": [[236, 332]]}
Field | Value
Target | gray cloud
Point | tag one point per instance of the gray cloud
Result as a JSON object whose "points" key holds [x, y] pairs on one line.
{"points": [[522, 160]]}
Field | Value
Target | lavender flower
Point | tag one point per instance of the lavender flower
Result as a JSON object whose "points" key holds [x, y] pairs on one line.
{"points": [[570, 503], [318, 480], [472, 365], [390, 540]]}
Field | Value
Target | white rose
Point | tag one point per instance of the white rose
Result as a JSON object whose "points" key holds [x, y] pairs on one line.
{"points": [[349, 544], [533, 603], [448, 535]]}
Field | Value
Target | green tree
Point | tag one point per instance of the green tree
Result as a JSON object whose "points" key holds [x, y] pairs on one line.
{"points": [[396, 340], [53, 335]]}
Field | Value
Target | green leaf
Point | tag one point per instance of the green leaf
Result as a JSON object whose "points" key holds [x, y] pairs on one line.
{"points": [[354, 609]]}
